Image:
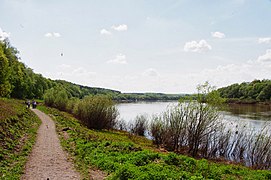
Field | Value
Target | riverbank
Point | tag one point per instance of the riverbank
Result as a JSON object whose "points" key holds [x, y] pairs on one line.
{"points": [[120, 154], [18, 128], [247, 101]]}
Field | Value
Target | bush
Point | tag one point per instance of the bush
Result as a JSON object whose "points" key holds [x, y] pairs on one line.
{"points": [[72, 105], [140, 125], [56, 97], [97, 112]]}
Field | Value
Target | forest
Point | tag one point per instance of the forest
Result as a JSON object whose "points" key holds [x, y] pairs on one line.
{"points": [[247, 92]]}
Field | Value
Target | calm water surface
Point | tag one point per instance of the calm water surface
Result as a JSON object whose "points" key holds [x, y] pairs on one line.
{"points": [[254, 116]]}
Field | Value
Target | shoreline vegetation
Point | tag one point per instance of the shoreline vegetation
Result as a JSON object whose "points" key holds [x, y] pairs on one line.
{"points": [[255, 92], [122, 155], [191, 127]]}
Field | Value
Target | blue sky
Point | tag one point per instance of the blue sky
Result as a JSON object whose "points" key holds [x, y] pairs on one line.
{"points": [[142, 46]]}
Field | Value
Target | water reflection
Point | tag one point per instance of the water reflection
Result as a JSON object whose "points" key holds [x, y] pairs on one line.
{"points": [[250, 111]]}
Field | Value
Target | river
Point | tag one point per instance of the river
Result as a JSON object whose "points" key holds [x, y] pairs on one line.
{"points": [[255, 116]]}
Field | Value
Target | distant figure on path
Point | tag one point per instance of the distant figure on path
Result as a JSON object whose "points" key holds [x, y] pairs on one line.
{"points": [[28, 103], [34, 104]]}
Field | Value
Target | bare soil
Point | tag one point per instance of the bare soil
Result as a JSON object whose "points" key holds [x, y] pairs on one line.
{"points": [[47, 159]]}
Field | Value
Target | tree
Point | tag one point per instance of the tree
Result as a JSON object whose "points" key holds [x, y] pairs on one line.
{"points": [[265, 94], [5, 87], [203, 118]]}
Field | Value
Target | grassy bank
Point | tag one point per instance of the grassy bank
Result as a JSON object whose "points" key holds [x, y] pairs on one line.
{"points": [[18, 127], [124, 156]]}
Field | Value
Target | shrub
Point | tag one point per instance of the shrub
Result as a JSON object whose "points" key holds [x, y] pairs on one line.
{"points": [[157, 130], [140, 125], [97, 112], [72, 105], [56, 97]]}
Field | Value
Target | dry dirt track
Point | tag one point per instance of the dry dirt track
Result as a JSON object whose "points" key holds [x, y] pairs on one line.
{"points": [[47, 159]]}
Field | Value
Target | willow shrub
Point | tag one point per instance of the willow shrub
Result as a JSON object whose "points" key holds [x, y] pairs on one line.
{"points": [[56, 97], [140, 125], [97, 112]]}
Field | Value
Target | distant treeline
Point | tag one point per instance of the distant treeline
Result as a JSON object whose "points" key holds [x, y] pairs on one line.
{"points": [[147, 97], [247, 92], [19, 81]]}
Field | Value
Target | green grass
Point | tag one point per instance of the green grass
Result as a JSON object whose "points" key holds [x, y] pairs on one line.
{"points": [[124, 156], [18, 127]]}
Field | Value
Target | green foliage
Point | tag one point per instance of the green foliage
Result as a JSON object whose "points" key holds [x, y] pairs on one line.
{"points": [[18, 127], [124, 157], [140, 125], [247, 92], [146, 97], [190, 124], [97, 112], [56, 97], [5, 87]]}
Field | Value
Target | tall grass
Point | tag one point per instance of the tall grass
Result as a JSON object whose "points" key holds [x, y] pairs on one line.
{"points": [[198, 130]]}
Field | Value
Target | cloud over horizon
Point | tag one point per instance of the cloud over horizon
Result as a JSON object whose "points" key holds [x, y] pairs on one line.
{"points": [[194, 46], [105, 32], [265, 40], [3, 35], [54, 34], [121, 27], [218, 35], [266, 57], [119, 59], [151, 72]]}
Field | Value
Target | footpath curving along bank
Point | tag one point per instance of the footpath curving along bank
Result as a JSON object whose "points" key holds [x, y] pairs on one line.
{"points": [[47, 159]]}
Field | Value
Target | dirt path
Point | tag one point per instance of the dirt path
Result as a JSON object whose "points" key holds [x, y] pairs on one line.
{"points": [[47, 159]]}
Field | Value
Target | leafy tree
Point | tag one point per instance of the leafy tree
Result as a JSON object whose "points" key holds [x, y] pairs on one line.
{"points": [[5, 87], [265, 94], [257, 90]]}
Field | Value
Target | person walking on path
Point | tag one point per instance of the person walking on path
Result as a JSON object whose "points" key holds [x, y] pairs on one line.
{"points": [[34, 104]]}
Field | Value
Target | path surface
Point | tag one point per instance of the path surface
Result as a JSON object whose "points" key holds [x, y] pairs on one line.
{"points": [[47, 159]]}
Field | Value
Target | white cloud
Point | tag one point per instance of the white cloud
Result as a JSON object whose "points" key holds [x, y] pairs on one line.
{"points": [[48, 35], [3, 35], [265, 40], [151, 72], [105, 32], [54, 34], [266, 57], [65, 66], [119, 59], [218, 35], [121, 27], [194, 46], [68, 72]]}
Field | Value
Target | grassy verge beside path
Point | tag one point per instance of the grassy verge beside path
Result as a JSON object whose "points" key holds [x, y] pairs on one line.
{"points": [[18, 128], [124, 156]]}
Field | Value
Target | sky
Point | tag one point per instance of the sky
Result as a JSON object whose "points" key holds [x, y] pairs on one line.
{"points": [[168, 46]]}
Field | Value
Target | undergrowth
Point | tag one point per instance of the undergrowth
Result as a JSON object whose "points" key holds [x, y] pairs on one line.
{"points": [[124, 156], [18, 127]]}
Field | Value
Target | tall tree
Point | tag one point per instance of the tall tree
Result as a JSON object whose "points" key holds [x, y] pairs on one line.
{"points": [[5, 87]]}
